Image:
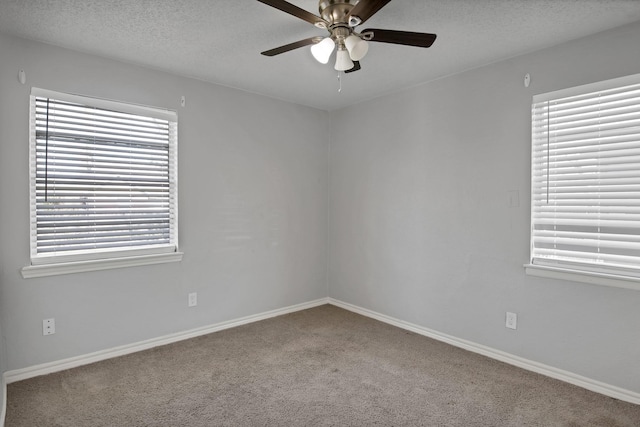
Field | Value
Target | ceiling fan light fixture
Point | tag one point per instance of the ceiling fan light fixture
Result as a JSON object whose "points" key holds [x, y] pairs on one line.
{"points": [[343, 61], [322, 51], [356, 47]]}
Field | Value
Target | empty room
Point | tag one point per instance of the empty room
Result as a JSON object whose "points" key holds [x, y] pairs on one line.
{"points": [[334, 212]]}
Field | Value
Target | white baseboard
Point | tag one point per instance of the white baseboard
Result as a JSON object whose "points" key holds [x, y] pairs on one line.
{"points": [[73, 362], [549, 371]]}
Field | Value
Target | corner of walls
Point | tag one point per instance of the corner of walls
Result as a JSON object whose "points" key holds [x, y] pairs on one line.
{"points": [[327, 285]]}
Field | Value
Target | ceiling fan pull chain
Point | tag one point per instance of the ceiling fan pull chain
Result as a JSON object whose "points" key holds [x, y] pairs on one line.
{"points": [[339, 81]]}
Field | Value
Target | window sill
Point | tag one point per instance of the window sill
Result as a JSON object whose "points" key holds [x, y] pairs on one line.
{"points": [[32, 271], [592, 278]]}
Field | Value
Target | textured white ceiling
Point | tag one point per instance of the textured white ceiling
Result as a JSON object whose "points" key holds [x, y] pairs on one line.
{"points": [[220, 41]]}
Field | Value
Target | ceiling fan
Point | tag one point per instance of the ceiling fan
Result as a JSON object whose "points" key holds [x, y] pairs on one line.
{"points": [[340, 18]]}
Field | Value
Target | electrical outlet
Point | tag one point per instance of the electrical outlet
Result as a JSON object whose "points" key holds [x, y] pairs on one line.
{"points": [[49, 326], [511, 321], [193, 299]]}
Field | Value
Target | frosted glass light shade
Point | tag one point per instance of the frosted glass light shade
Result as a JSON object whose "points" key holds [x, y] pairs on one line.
{"points": [[357, 47], [343, 62], [322, 51]]}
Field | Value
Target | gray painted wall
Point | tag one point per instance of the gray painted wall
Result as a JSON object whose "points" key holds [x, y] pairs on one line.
{"points": [[252, 210], [420, 223]]}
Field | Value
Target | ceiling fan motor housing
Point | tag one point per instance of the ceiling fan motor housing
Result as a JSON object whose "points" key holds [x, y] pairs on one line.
{"points": [[336, 11]]}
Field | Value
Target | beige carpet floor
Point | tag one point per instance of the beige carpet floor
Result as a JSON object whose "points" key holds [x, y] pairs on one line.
{"points": [[319, 367]]}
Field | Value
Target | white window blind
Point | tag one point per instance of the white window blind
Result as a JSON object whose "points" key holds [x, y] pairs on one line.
{"points": [[103, 179], [586, 178]]}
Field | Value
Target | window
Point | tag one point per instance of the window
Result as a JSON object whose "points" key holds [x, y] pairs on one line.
{"points": [[103, 184], [585, 201]]}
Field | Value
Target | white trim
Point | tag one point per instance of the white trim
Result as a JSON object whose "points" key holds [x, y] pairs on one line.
{"points": [[41, 270], [107, 104], [530, 365], [73, 362], [591, 277], [3, 409], [67, 257]]}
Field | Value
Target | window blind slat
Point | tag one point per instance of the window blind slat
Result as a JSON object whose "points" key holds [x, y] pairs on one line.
{"points": [[67, 113], [601, 259], [615, 108], [97, 229], [585, 234], [89, 247], [107, 147]]}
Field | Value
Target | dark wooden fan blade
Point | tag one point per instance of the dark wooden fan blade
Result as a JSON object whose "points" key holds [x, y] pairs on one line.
{"points": [[356, 67], [291, 46], [365, 9], [400, 37], [291, 9]]}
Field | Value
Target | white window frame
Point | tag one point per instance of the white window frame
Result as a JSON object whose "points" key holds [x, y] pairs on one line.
{"points": [[65, 262], [578, 257]]}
